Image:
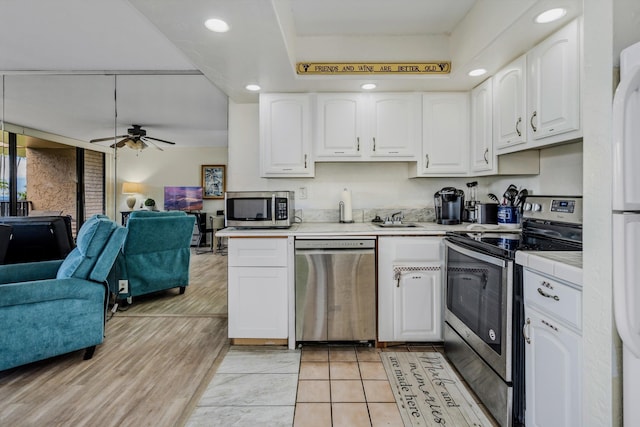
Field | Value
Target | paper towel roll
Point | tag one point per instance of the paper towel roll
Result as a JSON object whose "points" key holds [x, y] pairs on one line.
{"points": [[346, 199]]}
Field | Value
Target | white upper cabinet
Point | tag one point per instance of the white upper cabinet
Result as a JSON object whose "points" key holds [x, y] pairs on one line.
{"points": [[339, 126], [285, 136], [509, 104], [553, 81], [395, 125], [445, 134], [482, 157], [367, 127]]}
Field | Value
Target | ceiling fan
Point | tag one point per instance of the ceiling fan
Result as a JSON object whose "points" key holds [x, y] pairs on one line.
{"points": [[136, 139]]}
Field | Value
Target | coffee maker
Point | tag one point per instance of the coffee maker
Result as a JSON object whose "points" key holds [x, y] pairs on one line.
{"points": [[449, 203]]}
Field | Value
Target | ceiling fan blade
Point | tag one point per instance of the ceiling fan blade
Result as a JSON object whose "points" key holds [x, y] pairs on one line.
{"points": [[109, 138], [161, 140], [122, 142], [147, 139]]}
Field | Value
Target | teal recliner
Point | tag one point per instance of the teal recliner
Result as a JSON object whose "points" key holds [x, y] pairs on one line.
{"points": [[50, 308], [155, 255]]}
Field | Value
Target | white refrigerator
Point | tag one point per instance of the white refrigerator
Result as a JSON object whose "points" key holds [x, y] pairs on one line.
{"points": [[626, 226]]}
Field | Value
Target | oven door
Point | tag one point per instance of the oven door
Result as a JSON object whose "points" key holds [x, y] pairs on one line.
{"points": [[479, 302]]}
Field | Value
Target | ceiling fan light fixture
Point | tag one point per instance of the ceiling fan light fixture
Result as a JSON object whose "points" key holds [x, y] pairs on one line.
{"points": [[550, 15], [217, 25], [136, 145], [253, 87]]}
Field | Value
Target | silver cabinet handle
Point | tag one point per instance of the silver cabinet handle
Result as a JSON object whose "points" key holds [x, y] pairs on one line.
{"points": [[374, 143], [305, 161], [524, 331], [546, 295], [273, 209], [358, 140], [518, 126], [427, 161], [533, 116], [486, 153], [396, 277]]}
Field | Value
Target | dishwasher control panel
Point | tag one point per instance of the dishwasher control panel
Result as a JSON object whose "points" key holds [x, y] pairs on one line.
{"points": [[335, 244]]}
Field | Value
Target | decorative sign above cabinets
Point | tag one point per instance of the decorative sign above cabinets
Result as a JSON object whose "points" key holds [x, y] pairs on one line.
{"points": [[334, 68]]}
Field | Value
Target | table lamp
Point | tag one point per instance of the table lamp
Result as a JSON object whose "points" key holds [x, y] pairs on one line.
{"points": [[131, 188]]}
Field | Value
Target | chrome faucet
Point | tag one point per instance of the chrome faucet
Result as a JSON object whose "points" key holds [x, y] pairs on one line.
{"points": [[397, 217]]}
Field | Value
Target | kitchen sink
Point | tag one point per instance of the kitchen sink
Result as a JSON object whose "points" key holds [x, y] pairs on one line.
{"points": [[392, 225]]}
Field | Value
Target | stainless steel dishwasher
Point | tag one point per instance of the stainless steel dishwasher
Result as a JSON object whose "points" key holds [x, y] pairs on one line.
{"points": [[335, 290]]}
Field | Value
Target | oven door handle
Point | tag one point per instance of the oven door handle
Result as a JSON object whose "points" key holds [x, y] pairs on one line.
{"points": [[477, 255]]}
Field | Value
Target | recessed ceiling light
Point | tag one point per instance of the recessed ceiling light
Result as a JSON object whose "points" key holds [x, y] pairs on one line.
{"points": [[477, 72], [368, 86], [252, 87], [550, 15], [216, 25]]}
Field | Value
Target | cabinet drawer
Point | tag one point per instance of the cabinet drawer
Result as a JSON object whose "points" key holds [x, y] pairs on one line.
{"points": [[401, 250], [257, 252], [553, 297]]}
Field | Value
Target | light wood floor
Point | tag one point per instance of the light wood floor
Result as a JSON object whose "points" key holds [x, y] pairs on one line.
{"points": [[155, 363]]}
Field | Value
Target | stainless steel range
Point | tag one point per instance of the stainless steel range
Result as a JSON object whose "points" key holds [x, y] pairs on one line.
{"points": [[484, 311]]}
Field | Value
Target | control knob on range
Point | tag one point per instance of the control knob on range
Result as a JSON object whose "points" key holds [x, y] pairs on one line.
{"points": [[536, 207], [526, 206]]}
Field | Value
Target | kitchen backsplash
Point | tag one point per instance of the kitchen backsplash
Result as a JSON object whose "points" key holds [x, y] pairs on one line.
{"points": [[366, 215]]}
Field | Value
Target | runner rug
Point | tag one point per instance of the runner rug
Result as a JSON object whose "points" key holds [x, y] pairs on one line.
{"points": [[429, 393]]}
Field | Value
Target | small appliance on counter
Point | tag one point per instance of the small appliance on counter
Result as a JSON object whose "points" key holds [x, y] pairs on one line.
{"points": [[259, 209], [470, 214], [449, 204], [487, 213]]}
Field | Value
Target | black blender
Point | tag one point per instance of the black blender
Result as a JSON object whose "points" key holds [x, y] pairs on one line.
{"points": [[470, 213]]}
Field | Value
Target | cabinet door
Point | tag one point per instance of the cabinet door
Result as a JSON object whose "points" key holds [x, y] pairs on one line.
{"points": [[285, 135], [418, 305], [482, 158], [445, 133], [258, 302], [553, 366], [394, 126], [409, 305], [509, 104], [339, 126], [554, 84], [257, 252]]}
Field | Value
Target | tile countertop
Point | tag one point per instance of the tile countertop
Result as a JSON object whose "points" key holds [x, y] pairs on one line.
{"points": [[331, 229], [559, 264]]}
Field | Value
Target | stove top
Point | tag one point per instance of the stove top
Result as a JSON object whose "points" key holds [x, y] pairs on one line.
{"points": [[554, 225]]}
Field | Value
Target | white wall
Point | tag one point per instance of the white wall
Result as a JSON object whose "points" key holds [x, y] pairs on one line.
{"points": [[601, 404], [383, 185], [173, 166]]}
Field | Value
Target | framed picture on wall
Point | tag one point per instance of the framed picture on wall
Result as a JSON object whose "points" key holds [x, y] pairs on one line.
{"points": [[213, 181]]}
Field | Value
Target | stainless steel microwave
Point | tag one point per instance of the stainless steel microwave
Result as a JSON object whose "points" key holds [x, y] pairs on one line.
{"points": [[259, 209]]}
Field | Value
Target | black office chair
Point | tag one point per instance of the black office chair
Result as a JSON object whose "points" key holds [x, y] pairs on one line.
{"points": [[217, 223], [203, 230], [5, 238]]}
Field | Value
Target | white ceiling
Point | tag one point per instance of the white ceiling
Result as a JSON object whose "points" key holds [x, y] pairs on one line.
{"points": [[174, 75]]}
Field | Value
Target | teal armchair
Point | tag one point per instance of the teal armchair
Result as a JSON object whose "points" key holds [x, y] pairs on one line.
{"points": [[55, 307], [156, 254]]}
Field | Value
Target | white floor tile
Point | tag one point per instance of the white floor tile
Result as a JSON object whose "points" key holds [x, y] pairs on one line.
{"points": [[251, 389]]}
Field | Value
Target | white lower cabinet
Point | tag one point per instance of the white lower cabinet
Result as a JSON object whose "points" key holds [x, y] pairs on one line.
{"points": [[258, 288], [409, 289], [553, 352]]}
